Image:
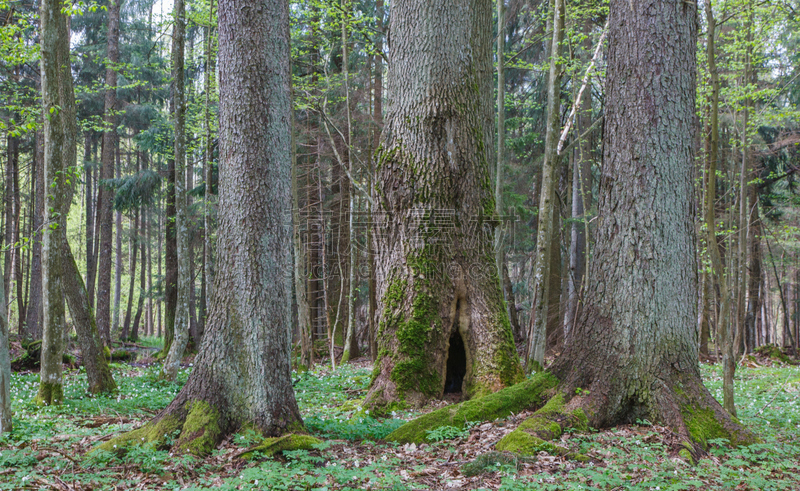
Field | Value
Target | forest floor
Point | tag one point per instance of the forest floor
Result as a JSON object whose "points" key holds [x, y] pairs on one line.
{"points": [[49, 447]]}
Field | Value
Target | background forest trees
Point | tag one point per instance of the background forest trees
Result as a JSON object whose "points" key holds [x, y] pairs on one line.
{"points": [[122, 221]]}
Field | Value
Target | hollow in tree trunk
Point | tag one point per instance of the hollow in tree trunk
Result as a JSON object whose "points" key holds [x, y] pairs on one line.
{"points": [[439, 297]]}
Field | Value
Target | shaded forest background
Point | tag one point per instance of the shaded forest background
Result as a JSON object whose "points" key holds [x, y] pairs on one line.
{"points": [[339, 58]]}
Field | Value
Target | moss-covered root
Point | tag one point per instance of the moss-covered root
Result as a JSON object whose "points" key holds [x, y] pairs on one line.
{"points": [[196, 429], [529, 393], [271, 446], [548, 423]]}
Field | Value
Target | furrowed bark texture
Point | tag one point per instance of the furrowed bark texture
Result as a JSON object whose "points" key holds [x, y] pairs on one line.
{"points": [[61, 276], [106, 195], [58, 102], [242, 373], [180, 338], [635, 344], [435, 215]]}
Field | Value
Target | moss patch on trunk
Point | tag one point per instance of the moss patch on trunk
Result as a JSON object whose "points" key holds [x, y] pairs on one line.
{"points": [[498, 405], [49, 394]]}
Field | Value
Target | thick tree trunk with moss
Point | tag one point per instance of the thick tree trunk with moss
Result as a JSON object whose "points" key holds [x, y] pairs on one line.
{"points": [[634, 350], [442, 322], [58, 104], [62, 280], [242, 374]]}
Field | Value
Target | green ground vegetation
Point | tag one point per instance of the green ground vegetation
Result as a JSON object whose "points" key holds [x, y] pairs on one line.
{"points": [[350, 451]]}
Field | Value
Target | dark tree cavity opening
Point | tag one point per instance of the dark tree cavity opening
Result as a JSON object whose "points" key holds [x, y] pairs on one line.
{"points": [[456, 365]]}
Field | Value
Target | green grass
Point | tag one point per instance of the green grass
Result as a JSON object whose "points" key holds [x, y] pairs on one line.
{"points": [[50, 444]]}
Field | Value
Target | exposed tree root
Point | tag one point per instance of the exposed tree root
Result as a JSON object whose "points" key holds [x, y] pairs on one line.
{"points": [[195, 427], [270, 446], [536, 433], [530, 393], [684, 405]]}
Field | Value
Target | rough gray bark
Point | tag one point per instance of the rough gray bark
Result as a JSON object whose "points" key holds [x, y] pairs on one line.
{"points": [[435, 210], [242, 374], [634, 349], [58, 103], [61, 278], [180, 340], [106, 196]]}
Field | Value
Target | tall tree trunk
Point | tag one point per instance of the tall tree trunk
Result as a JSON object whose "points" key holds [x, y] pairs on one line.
{"points": [[91, 264], [537, 339], [300, 257], [721, 282], [581, 202], [5, 372], [98, 373], [133, 252], [118, 264], [142, 282], [377, 117], [242, 374], [350, 349], [705, 305], [58, 103], [105, 195], [11, 216], [501, 134], [755, 271], [34, 315], [172, 362], [170, 260], [443, 325], [634, 349], [208, 203]]}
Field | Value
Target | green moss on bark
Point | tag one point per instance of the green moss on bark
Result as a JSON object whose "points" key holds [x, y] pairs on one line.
{"points": [[159, 433], [703, 425], [198, 433], [49, 394], [201, 430], [529, 393], [548, 423]]}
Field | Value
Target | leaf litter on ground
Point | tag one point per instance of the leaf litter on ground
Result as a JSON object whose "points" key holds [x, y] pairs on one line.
{"points": [[48, 447]]}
